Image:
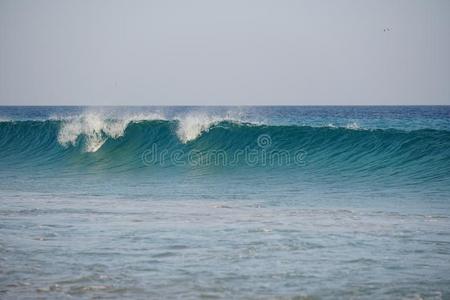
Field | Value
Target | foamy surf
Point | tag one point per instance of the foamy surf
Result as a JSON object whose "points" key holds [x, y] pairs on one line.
{"points": [[193, 125], [96, 128]]}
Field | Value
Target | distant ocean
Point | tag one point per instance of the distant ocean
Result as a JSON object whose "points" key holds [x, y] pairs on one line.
{"points": [[345, 202]]}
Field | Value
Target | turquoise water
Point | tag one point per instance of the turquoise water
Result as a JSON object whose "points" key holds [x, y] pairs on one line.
{"points": [[225, 202]]}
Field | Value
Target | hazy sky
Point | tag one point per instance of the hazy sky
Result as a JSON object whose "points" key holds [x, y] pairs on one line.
{"points": [[224, 52]]}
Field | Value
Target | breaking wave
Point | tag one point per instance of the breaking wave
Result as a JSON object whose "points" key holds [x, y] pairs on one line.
{"points": [[119, 144]]}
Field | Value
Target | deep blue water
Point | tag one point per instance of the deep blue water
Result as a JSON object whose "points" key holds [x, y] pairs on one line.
{"points": [[225, 202]]}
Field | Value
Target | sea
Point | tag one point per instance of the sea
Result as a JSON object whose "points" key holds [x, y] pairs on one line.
{"points": [[251, 202]]}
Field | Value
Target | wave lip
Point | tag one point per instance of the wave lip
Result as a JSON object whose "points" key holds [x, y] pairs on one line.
{"points": [[93, 128], [192, 125], [97, 129]]}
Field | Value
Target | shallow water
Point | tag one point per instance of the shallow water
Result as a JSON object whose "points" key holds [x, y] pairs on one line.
{"points": [[364, 214]]}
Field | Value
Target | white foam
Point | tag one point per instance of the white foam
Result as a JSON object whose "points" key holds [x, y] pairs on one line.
{"points": [[353, 126], [97, 128], [193, 125], [93, 127]]}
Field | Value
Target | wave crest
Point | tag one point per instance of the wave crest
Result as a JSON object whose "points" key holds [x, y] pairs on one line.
{"points": [[96, 129], [191, 126]]}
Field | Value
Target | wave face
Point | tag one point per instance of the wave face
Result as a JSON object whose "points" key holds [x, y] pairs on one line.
{"points": [[133, 144]]}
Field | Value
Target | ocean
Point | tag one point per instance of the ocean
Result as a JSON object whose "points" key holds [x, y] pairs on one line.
{"points": [[265, 202]]}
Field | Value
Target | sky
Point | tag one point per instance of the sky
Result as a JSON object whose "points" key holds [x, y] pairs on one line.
{"points": [[229, 52]]}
